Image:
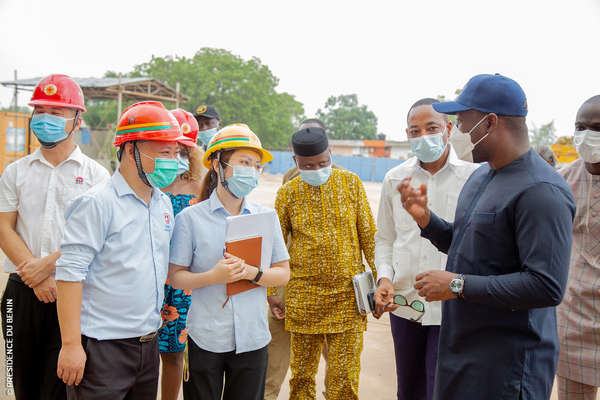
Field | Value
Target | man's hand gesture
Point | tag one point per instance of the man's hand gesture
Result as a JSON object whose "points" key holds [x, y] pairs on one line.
{"points": [[414, 202]]}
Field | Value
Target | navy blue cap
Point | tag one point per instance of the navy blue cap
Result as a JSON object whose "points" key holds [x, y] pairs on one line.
{"points": [[489, 94]]}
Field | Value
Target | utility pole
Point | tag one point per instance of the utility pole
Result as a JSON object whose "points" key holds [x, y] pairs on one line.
{"points": [[16, 110], [120, 98], [15, 98]]}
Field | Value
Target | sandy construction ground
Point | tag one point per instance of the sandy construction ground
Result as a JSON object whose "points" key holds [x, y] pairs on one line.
{"points": [[377, 378]]}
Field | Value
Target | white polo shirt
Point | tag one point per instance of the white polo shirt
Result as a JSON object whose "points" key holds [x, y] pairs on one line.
{"points": [[400, 251], [39, 192]]}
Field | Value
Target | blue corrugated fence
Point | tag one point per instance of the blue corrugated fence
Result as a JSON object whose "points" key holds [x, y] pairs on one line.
{"points": [[367, 168]]}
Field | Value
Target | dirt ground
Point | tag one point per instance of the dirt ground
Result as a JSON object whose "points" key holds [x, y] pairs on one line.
{"points": [[378, 376]]}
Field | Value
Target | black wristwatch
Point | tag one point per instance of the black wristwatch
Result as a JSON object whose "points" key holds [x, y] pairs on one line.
{"points": [[457, 285], [258, 276]]}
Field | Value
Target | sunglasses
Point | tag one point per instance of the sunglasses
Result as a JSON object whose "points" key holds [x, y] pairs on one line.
{"points": [[416, 305]]}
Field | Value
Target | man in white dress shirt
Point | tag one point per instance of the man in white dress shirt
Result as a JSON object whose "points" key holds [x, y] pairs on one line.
{"points": [[34, 192], [401, 254]]}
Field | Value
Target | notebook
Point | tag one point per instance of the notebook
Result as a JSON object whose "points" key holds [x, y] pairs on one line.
{"points": [[250, 237], [248, 250], [364, 289]]}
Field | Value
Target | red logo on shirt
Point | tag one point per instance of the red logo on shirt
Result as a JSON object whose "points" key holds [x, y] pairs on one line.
{"points": [[79, 180], [167, 219]]}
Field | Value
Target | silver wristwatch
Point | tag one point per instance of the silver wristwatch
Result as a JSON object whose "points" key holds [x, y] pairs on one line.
{"points": [[457, 285]]}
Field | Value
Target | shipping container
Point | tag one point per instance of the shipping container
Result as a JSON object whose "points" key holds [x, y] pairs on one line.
{"points": [[15, 139]]}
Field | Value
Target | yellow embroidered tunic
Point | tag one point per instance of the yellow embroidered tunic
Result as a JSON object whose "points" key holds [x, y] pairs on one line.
{"points": [[329, 226]]}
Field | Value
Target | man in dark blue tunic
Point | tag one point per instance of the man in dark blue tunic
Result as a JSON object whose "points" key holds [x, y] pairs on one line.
{"points": [[508, 254]]}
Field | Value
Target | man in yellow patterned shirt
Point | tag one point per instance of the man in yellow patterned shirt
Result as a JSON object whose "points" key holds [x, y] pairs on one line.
{"points": [[327, 214], [279, 347]]}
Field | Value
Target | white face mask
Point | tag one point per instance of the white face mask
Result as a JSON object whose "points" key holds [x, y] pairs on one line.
{"points": [[461, 142], [587, 143]]}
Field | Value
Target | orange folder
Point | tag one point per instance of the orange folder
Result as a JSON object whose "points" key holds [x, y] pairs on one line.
{"points": [[248, 250]]}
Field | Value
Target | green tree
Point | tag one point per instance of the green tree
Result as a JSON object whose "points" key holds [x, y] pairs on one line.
{"points": [[544, 135], [101, 114], [242, 91], [346, 119], [442, 98]]}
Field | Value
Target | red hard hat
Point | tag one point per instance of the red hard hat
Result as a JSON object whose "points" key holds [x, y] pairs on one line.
{"points": [[189, 126], [58, 91], [147, 120]]}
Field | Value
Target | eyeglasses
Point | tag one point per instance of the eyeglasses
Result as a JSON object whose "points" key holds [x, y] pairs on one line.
{"points": [[416, 305], [245, 163]]}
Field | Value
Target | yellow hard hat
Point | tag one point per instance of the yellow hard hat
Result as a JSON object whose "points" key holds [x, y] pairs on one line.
{"points": [[235, 136]]}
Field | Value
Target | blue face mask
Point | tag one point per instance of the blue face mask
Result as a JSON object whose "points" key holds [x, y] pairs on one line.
{"points": [[243, 180], [428, 148], [183, 164], [205, 136], [315, 177], [49, 129]]}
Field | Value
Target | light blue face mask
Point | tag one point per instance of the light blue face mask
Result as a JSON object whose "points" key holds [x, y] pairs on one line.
{"points": [[428, 148], [49, 129], [316, 177], [243, 180], [205, 137], [165, 171], [183, 164]]}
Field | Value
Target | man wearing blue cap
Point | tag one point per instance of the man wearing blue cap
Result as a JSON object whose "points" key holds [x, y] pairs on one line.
{"points": [[508, 254]]}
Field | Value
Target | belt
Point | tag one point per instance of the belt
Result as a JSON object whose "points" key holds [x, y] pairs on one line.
{"points": [[148, 338], [139, 339]]}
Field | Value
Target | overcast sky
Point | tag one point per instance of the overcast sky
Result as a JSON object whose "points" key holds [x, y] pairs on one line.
{"points": [[390, 53]]}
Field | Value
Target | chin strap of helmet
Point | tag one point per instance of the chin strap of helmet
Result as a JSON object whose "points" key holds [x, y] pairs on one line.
{"points": [[138, 164]]}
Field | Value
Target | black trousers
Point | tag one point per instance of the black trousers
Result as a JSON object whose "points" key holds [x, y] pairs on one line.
{"points": [[244, 373], [416, 350], [118, 369], [32, 343]]}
